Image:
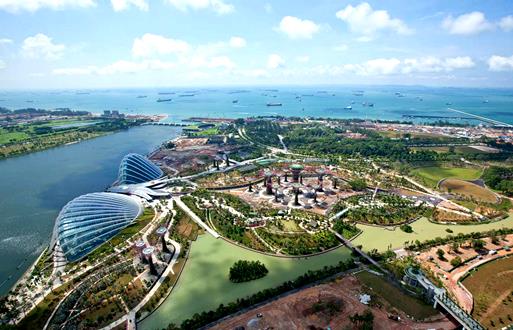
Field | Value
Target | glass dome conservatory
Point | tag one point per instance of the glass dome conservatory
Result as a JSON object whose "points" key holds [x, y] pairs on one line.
{"points": [[135, 168], [90, 220]]}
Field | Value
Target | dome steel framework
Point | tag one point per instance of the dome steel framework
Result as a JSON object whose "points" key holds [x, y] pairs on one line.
{"points": [[89, 220], [135, 168]]}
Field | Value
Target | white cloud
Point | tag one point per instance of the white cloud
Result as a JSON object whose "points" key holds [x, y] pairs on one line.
{"points": [[237, 42], [379, 66], [2, 65], [364, 20], [5, 41], [152, 44], [364, 39], [435, 64], [120, 5], [268, 8], [221, 62], [506, 23], [275, 61], [34, 5], [296, 28], [467, 24], [303, 59], [73, 71], [395, 66], [219, 6], [460, 62], [500, 63], [42, 46], [251, 73], [118, 67], [340, 48]]}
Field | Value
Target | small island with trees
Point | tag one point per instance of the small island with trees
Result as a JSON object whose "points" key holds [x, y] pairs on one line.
{"points": [[245, 271]]}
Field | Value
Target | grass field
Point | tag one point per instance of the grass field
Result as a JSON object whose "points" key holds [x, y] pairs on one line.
{"points": [[6, 137], [410, 305], [380, 238], [432, 174], [457, 149], [469, 190], [491, 288], [204, 282]]}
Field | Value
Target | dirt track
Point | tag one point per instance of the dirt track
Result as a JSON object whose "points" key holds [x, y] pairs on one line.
{"points": [[297, 311]]}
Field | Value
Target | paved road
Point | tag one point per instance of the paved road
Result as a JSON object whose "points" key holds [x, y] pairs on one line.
{"points": [[194, 217]]}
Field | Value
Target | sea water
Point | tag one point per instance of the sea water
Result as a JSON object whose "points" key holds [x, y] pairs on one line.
{"points": [[389, 102]]}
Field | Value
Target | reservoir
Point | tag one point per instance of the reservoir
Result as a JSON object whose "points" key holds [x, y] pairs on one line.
{"points": [[34, 187]]}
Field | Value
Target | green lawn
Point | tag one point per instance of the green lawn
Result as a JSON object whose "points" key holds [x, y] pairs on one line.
{"points": [[490, 285], [406, 303], [208, 131], [379, 238], [432, 174], [204, 283], [6, 137]]}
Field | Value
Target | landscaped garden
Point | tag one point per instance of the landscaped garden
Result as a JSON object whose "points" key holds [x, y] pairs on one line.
{"points": [[204, 283], [431, 175], [468, 190], [382, 209]]}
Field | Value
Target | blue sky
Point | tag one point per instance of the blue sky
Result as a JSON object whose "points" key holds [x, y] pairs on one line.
{"points": [[138, 43]]}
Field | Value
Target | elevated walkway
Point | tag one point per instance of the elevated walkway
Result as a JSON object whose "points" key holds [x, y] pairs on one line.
{"points": [[459, 314]]}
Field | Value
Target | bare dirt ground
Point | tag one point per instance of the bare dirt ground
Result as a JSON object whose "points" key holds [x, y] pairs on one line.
{"points": [[303, 310], [450, 277]]}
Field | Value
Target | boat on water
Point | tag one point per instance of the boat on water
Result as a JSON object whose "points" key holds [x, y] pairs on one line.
{"points": [[164, 100], [486, 101], [358, 93], [235, 101], [142, 96], [274, 104], [186, 95], [166, 93], [448, 103], [348, 107]]}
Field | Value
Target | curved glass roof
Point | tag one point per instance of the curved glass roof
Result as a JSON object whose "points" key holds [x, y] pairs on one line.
{"points": [[135, 168], [90, 220]]}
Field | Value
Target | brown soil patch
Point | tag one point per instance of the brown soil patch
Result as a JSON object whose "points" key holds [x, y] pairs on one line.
{"points": [[468, 190], [326, 305]]}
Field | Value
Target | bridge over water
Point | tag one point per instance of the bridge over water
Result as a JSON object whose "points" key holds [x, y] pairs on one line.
{"points": [[457, 312]]}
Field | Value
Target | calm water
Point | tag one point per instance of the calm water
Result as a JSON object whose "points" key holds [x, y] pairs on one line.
{"points": [[34, 187], [316, 101]]}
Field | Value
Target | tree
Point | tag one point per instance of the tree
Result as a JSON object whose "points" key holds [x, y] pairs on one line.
{"points": [[477, 244], [456, 261], [244, 270], [406, 228], [455, 246], [440, 254], [358, 184]]}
